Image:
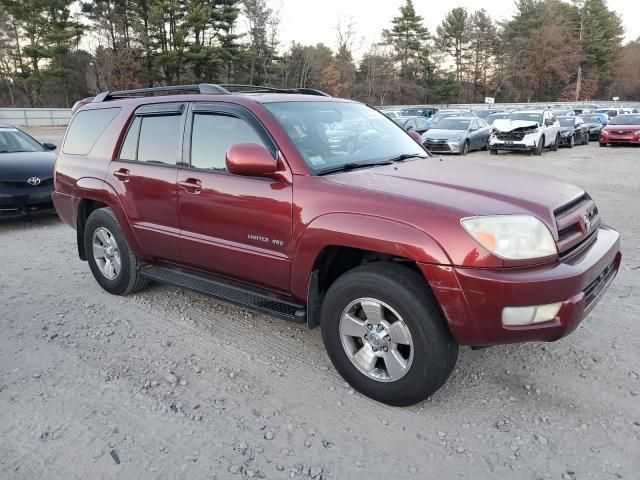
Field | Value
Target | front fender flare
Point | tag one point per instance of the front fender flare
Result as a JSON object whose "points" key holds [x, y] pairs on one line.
{"points": [[365, 232]]}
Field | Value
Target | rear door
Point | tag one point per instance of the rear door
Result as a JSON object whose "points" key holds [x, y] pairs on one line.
{"points": [[232, 225], [144, 175]]}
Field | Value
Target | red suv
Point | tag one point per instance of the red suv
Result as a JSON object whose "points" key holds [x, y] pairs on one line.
{"points": [[398, 256]]}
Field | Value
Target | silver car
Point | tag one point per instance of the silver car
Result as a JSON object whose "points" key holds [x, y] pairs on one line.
{"points": [[457, 135]]}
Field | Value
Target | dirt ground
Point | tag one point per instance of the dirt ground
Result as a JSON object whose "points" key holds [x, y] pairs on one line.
{"points": [[173, 385]]}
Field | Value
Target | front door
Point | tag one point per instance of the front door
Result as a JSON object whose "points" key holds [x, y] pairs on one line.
{"points": [[144, 176], [232, 225]]}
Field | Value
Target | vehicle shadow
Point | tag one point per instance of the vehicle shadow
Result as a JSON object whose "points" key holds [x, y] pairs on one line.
{"points": [[35, 222]]}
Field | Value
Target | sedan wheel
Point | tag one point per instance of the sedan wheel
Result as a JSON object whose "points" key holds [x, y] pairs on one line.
{"points": [[572, 141], [465, 148]]}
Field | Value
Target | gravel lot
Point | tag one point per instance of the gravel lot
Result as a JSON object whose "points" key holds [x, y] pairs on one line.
{"points": [[170, 384]]}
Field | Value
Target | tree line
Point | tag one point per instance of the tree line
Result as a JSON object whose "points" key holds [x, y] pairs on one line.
{"points": [[53, 52]]}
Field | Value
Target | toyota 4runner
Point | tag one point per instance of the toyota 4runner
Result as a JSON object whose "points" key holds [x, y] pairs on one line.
{"points": [[398, 256]]}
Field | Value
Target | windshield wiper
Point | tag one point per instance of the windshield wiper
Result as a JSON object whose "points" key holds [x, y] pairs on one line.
{"points": [[353, 165], [407, 156]]}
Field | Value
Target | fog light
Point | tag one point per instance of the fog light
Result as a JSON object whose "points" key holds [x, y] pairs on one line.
{"points": [[514, 316]]}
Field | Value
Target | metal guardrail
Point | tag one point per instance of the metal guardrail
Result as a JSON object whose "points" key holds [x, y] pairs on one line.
{"points": [[510, 106], [35, 117]]}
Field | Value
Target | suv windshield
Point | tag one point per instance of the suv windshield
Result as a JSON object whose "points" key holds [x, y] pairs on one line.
{"points": [[527, 116], [625, 120], [13, 140], [330, 135], [453, 124]]}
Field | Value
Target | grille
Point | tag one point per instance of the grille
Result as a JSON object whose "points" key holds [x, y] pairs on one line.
{"points": [[577, 223], [45, 182], [510, 136], [437, 145], [595, 288]]}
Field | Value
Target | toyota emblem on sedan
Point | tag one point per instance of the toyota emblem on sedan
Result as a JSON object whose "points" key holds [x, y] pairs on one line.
{"points": [[34, 181], [587, 223]]}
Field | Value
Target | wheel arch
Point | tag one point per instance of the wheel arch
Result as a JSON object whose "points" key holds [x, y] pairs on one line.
{"points": [[93, 194], [336, 243]]}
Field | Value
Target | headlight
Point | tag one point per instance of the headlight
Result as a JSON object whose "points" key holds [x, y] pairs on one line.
{"points": [[565, 134], [638, 132], [514, 237], [456, 139]]}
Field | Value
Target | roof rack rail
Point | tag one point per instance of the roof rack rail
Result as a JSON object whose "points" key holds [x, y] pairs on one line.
{"points": [[264, 89], [202, 88]]}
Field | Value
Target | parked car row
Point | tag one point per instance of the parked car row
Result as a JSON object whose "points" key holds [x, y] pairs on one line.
{"points": [[528, 130]]}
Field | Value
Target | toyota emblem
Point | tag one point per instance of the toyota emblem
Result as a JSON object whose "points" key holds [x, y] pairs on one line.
{"points": [[587, 223], [34, 181]]}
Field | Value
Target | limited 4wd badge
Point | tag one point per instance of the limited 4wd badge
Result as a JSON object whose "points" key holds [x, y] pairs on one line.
{"points": [[260, 238]]}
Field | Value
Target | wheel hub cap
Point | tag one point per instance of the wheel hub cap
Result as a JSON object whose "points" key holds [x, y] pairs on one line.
{"points": [[106, 253], [376, 339]]}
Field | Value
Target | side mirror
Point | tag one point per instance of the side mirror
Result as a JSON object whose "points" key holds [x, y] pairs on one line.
{"points": [[409, 128], [250, 160], [416, 136], [49, 146]]}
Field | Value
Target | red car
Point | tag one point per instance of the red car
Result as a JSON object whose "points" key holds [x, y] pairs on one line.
{"points": [[398, 256], [622, 129]]}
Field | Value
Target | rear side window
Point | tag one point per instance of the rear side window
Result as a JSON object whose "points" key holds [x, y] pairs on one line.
{"points": [[152, 139], [86, 128], [212, 136]]}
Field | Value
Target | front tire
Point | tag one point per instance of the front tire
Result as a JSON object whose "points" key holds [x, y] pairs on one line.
{"points": [[572, 141], [385, 335], [538, 150], [113, 264], [603, 144], [465, 148], [556, 144]]}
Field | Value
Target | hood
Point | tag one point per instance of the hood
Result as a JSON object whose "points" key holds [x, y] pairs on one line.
{"points": [[506, 125], [567, 129], [20, 166], [595, 124], [622, 127], [446, 134], [462, 188]]}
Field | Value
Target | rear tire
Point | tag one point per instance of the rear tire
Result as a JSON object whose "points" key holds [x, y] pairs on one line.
{"points": [[113, 264], [394, 293]]}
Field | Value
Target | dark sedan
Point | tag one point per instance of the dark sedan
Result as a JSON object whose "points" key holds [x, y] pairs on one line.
{"points": [[413, 124], [26, 174], [595, 121], [573, 131]]}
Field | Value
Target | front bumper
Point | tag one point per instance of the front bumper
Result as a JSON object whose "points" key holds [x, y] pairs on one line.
{"points": [[17, 204], [528, 143], [564, 141], [626, 139], [472, 299]]}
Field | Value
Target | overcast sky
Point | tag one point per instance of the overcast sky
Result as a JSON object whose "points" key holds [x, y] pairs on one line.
{"points": [[310, 22]]}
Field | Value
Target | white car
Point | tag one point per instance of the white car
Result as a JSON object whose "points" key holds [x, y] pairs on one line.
{"points": [[526, 131]]}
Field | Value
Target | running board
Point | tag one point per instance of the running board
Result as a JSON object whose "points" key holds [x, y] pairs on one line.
{"points": [[229, 291]]}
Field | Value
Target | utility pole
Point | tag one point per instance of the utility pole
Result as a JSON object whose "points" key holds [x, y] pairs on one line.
{"points": [[579, 79]]}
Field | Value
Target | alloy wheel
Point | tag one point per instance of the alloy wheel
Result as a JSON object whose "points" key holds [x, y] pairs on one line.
{"points": [[376, 339], [106, 253]]}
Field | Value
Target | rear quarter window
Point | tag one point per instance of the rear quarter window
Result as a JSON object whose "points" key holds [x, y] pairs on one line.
{"points": [[85, 129]]}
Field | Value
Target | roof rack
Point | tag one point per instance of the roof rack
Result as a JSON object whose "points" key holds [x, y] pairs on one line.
{"points": [[204, 89], [263, 89]]}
